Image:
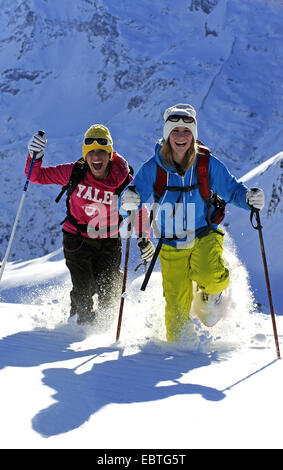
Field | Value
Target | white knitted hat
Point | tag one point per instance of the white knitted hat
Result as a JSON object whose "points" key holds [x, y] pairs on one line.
{"points": [[180, 110]]}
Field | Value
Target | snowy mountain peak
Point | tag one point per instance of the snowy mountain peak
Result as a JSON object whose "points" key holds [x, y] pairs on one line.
{"points": [[64, 66], [269, 176]]}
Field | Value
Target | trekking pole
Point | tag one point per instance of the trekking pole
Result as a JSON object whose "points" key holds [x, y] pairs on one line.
{"points": [[152, 222], [152, 264], [41, 133], [259, 228], [129, 233], [131, 215]]}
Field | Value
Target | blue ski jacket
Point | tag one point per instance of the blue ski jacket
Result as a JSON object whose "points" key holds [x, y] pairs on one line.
{"points": [[188, 219]]}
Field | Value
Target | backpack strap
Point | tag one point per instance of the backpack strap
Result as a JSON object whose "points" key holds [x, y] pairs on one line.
{"points": [[213, 201], [78, 171], [160, 183], [202, 175]]}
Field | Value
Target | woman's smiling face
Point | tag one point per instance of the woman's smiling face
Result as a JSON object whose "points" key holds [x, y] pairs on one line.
{"points": [[98, 161], [180, 140]]}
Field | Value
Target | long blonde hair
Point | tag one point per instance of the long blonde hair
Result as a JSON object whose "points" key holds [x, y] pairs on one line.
{"points": [[189, 157]]}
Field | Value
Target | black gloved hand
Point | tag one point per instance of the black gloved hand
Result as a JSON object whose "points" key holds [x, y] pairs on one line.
{"points": [[146, 247]]}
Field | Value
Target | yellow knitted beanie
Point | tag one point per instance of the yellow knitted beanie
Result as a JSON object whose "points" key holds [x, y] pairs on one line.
{"points": [[97, 131]]}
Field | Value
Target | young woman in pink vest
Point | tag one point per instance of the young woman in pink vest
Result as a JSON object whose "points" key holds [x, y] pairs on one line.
{"points": [[91, 236]]}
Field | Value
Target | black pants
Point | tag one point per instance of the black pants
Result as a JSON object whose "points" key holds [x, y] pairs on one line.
{"points": [[94, 266]]}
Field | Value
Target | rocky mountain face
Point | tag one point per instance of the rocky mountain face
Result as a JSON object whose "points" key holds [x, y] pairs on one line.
{"points": [[66, 65]]}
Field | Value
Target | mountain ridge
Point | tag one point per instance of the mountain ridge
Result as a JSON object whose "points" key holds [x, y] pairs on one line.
{"points": [[65, 66]]}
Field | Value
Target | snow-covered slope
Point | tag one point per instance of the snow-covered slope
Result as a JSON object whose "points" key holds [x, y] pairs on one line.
{"points": [[64, 386], [269, 176]]}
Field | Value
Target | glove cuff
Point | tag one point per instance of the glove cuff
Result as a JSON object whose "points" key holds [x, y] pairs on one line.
{"points": [[39, 155]]}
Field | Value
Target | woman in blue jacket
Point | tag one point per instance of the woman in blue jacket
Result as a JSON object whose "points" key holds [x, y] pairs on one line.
{"points": [[192, 244]]}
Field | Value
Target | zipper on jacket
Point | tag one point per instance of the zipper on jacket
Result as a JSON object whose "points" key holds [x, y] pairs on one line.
{"points": [[184, 204]]}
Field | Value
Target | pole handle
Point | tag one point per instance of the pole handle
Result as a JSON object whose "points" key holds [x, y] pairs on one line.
{"points": [[41, 133]]}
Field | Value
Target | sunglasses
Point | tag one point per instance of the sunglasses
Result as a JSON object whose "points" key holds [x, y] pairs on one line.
{"points": [[99, 140], [177, 117]]}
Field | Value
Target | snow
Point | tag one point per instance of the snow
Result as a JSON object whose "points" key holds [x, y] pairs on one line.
{"points": [[122, 63], [64, 386]]}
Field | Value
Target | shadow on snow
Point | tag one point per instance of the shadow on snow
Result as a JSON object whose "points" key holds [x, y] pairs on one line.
{"points": [[121, 380]]}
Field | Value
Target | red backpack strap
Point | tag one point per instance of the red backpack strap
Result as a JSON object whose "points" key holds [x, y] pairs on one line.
{"points": [[202, 174], [160, 183]]}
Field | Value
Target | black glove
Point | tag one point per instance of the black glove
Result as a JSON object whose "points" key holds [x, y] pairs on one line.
{"points": [[146, 247]]}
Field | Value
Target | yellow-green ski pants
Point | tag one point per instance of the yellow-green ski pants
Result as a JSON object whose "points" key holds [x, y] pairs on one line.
{"points": [[202, 263]]}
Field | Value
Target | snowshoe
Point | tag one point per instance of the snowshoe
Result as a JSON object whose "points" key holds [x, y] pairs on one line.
{"points": [[210, 308]]}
